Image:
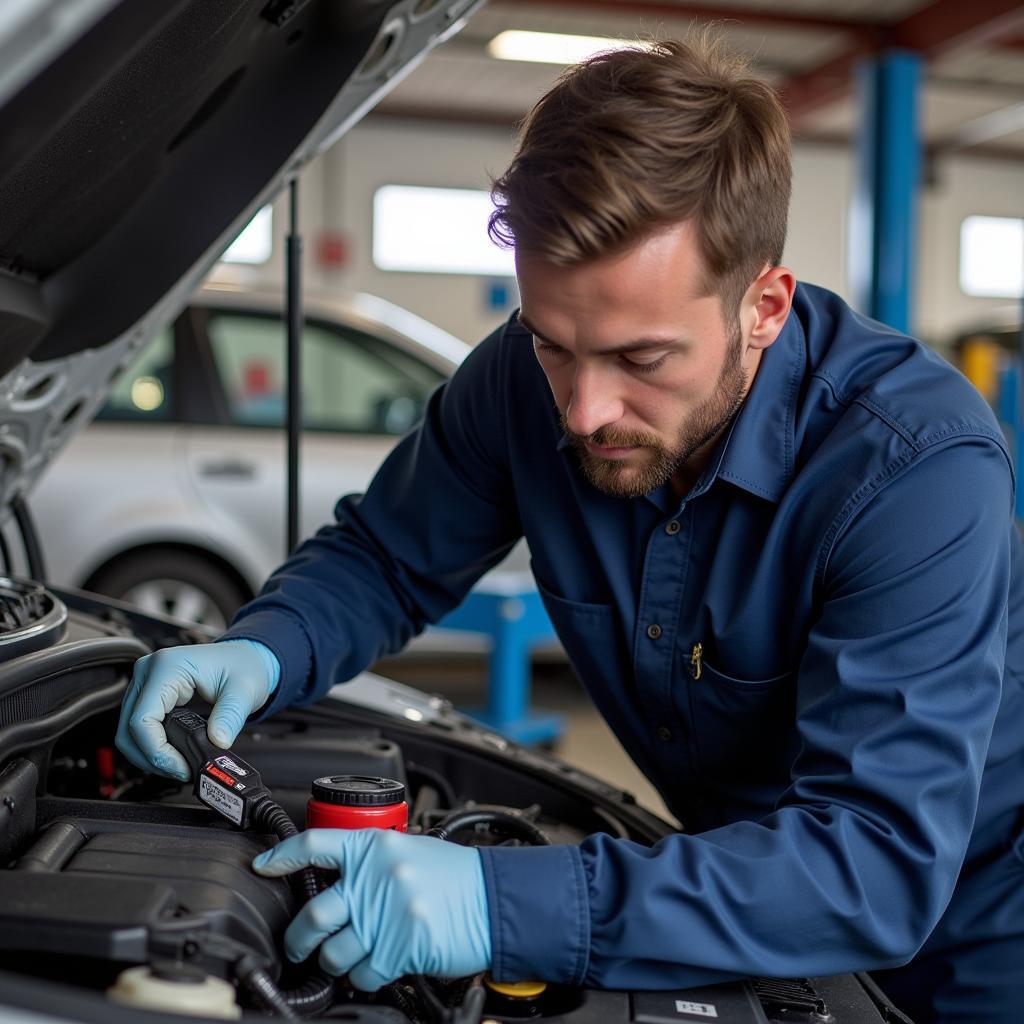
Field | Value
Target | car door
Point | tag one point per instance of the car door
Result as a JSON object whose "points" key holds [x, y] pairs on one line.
{"points": [[360, 394]]}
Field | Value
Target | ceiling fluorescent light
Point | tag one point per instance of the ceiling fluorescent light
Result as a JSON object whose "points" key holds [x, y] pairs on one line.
{"points": [[552, 47]]}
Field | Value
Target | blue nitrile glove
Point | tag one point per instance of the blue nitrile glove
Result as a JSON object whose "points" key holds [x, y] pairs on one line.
{"points": [[403, 905], [235, 676]]}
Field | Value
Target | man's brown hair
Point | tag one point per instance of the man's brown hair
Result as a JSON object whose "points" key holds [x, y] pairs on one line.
{"points": [[634, 140]]}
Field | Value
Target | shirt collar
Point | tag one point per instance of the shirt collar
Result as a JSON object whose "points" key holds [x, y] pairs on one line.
{"points": [[756, 453]]}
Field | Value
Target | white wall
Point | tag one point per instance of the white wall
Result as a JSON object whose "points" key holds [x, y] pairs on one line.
{"points": [[383, 153], [817, 241], [338, 192], [961, 186]]}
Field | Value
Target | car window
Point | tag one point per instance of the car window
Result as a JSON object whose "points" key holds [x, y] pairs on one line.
{"points": [[351, 381], [145, 391]]}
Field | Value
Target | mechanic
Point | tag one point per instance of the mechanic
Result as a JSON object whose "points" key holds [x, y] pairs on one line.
{"points": [[776, 539]]}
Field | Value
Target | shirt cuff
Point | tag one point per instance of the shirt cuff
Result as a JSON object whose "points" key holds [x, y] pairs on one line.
{"points": [[286, 637], [539, 913]]}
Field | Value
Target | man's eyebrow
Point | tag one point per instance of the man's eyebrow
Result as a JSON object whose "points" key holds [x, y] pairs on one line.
{"points": [[636, 345], [524, 323]]}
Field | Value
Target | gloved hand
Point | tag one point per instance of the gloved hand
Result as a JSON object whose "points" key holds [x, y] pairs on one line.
{"points": [[236, 676], [403, 905]]}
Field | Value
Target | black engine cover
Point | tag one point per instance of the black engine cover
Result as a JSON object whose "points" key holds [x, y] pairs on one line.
{"points": [[131, 886]]}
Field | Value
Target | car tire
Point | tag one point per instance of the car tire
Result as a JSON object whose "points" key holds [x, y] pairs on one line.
{"points": [[181, 584]]}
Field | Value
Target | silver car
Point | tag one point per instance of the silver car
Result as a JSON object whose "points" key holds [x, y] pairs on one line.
{"points": [[183, 469]]}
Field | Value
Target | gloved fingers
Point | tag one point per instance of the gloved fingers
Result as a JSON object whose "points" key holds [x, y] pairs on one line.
{"points": [[364, 977], [123, 738], [131, 751], [156, 698], [229, 713], [145, 746], [342, 951], [316, 847], [320, 918]]}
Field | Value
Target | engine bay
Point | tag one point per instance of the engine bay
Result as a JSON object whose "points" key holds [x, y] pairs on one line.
{"points": [[105, 870]]}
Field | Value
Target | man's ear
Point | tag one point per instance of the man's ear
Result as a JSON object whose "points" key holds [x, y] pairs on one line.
{"points": [[769, 298]]}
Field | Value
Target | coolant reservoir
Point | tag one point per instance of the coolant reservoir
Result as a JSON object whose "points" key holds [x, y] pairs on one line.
{"points": [[176, 989], [357, 801]]}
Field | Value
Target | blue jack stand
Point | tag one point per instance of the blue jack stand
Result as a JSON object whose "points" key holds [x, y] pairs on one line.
{"points": [[507, 608]]}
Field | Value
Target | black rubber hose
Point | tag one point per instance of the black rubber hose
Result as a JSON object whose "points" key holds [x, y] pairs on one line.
{"points": [[310, 998], [53, 849], [272, 817], [402, 1000], [313, 996], [316, 993], [472, 1007], [443, 786], [499, 821], [427, 996], [261, 986]]}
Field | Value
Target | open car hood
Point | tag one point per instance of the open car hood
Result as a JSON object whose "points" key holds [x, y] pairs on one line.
{"points": [[136, 141]]}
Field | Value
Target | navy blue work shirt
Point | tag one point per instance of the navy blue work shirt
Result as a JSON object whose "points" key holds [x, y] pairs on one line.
{"points": [[807, 655]]}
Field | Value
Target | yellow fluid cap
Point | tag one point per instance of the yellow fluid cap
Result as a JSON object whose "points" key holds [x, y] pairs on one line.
{"points": [[517, 989]]}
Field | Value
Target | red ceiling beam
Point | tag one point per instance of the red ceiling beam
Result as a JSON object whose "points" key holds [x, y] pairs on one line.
{"points": [[705, 12], [823, 84], [932, 31], [946, 24]]}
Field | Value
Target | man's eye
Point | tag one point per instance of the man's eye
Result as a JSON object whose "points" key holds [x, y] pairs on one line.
{"points": [[648, 367], [543, 346]]}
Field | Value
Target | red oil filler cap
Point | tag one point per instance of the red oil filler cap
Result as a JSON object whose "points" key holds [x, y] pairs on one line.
{"points": [[357, 801]]}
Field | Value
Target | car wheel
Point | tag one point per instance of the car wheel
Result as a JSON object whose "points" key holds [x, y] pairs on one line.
{"points": [[175, 583]]}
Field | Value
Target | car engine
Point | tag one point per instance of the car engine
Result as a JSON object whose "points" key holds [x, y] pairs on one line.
{"points": [[121, 890]]}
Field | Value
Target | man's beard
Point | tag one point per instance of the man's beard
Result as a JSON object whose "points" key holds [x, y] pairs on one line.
{"points": [[622, 478]]}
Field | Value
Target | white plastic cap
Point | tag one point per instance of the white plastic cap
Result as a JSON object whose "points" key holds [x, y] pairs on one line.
{"points": [[209, 997]]}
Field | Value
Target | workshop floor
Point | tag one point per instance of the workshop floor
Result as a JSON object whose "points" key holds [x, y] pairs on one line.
{"points": [[587, 744]]}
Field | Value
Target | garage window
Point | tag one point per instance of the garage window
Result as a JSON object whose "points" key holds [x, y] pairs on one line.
{"points": [[436, 231], [992, 257]]}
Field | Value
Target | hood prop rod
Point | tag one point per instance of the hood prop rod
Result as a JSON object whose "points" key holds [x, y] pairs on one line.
{"points": [[293, 271], [29, 540]]}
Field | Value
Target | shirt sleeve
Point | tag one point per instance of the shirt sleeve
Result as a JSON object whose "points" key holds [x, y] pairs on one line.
{"points": [[438, 514], [897, 694]]}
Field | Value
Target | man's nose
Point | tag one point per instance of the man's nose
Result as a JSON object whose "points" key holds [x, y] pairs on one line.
{"points": [[595, 403]]}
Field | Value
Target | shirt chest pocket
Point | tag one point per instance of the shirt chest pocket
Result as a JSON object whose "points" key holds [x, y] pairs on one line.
{"points": [[742, 729], [593, 638]]}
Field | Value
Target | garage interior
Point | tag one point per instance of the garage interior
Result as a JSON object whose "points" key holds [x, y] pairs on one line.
{"points": [[908, 203]]}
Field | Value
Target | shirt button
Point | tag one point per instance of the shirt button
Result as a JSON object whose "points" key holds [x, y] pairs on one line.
{"points": [[654, 631], [672, 527], [664, 733]]}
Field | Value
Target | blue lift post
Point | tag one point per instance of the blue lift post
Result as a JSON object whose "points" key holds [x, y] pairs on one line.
{"points": [[511, 613], [883, 222]]}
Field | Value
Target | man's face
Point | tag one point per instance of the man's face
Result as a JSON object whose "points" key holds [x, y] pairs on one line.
{"points": [[645, 372]]}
